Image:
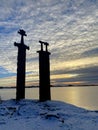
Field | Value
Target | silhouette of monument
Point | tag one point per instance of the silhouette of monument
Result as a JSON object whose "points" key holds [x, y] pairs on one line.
{"points": [[21, 59], [44, 73]]}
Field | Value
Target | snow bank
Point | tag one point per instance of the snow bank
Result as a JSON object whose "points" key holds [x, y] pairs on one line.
{"points": [[49, 115]]}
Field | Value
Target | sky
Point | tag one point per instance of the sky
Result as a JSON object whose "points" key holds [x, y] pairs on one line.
{"points": [[69, 26]]}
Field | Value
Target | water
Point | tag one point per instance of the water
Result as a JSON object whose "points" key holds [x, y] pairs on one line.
{"points": [[85, 97]]}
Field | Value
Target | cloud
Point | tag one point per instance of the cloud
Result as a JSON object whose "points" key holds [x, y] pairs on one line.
{"points": [[5, 73], [91, 53], [69, 26], [84, 75]]}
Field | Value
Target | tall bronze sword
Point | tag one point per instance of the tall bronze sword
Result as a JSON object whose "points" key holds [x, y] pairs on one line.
{"points": [[21, 65]]}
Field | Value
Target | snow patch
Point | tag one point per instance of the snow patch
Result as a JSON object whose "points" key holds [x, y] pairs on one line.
{"points": [[49, 115]]}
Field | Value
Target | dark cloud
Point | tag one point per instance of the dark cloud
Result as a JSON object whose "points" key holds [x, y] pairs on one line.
{"points": [[89, 74], [91, 53]]}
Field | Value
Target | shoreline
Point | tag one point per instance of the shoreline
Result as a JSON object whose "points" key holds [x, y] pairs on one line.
{"points": [[51, 86]]}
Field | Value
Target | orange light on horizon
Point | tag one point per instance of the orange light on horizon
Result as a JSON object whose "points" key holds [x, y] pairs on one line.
{"points": [[59, 76], [74, 64]]}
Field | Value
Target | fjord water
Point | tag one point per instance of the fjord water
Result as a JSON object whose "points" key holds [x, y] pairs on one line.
{"points": [[85, 97]]}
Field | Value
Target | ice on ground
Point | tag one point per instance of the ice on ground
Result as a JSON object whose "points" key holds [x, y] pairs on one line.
{"points": [[49, 115]]}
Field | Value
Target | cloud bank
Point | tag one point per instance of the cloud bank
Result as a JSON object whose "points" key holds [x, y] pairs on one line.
{"points": [[70, 27]]}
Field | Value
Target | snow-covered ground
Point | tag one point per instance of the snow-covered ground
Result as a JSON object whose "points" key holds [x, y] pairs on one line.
{"points": [[49, 115]]}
